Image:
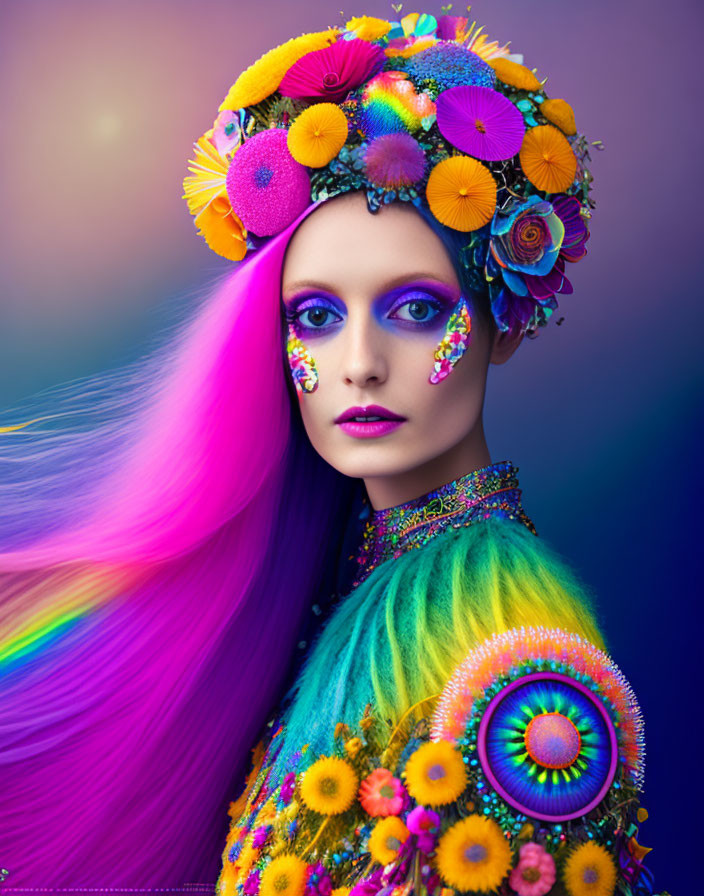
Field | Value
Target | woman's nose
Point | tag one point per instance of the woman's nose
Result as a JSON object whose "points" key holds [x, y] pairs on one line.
{"points": [[363, 360]]}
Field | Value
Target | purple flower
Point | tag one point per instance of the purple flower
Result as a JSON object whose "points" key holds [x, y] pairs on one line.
{"points": [[260, 835], [287, 788], [318, 881], [425, 824], [251, 885]]}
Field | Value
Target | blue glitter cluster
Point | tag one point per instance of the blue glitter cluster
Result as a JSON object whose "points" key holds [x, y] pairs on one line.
{"points": [[446, 65]]}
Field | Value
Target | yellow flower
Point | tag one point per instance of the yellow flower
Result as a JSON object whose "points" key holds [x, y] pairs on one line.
{"points": [[368, 28], [263, 77], [284, 876], [329, 786], [560, 112], [435, 774], [473, 855], [514, 74], [461, 193], [318, 134], [547, 159], [246, 859], [205, 193], [387, 838], [590, 871], [340, 891], [353, 746], [267, 813]]}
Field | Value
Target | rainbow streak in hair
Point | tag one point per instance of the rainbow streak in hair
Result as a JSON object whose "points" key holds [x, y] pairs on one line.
{"points": [[390, 104], [139, 608]]}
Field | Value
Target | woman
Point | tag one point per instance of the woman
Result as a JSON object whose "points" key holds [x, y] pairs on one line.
{"points": [[150, 632]]}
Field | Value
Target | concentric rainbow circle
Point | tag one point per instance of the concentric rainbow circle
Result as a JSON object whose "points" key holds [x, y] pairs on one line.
{"points": [[548, 746]]}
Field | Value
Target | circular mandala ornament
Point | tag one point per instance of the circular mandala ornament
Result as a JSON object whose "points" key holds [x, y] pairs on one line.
{"points": [[553, 717]]}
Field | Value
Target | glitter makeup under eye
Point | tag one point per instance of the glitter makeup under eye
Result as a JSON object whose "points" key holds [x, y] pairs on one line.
{"points": [[301, 363], [453, 344]]}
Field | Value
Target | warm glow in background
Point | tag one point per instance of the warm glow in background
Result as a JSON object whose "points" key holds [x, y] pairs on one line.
{"points": [[100, 103]]}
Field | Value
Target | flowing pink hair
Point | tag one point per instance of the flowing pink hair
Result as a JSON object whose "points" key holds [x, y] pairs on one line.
{"points": [[163, 530]]}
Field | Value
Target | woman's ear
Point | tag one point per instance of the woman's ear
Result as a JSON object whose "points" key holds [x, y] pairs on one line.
{"points": [[504, 345]]}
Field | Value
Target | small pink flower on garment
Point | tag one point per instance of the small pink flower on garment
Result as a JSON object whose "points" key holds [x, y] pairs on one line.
{"points": [[534, 874], [382, 794], [425, 824]]}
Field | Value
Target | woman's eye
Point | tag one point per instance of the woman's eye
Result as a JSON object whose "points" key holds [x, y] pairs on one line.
{"points": [[417, 310], [316, 317]]}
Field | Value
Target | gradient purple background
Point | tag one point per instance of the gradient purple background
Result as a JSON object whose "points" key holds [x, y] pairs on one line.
{"points": [[100, 103]]}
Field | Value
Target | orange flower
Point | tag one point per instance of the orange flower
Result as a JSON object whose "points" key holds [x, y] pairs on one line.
{"points": [[514, 74], [547, 159], [318, 134], [560, 113], [461, 193], [381, 794]]}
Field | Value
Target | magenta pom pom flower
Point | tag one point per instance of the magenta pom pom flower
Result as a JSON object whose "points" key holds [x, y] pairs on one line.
{"points": [[331, 73], [425, 824], [393, 161], [535, 873], [481, 122], [266, 186]]}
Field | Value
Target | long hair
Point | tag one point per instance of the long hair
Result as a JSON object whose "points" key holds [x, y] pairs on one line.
{"points": [[163, 530]]}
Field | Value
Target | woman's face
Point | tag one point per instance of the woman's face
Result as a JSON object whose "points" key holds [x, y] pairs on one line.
{"points": [[369, 296]]}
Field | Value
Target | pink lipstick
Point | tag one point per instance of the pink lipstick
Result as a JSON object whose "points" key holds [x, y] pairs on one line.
{"points": [[369, 422]]}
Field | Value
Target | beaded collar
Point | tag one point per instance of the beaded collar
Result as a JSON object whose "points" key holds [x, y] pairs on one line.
{"points": [[491, 491]]}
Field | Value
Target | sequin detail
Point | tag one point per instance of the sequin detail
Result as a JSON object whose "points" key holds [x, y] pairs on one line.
{"points": [[454, 343], [491, 491], [301, 363]]}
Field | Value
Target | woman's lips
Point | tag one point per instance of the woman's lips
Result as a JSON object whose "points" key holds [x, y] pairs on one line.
{"points": [[370, 429], [369, 422]]}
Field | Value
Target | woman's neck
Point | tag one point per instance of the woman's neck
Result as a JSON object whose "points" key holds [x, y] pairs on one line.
{"points": [[470, 454]]}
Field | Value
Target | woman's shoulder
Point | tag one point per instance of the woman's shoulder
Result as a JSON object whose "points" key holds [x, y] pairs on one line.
{"points": [[521, 776]]}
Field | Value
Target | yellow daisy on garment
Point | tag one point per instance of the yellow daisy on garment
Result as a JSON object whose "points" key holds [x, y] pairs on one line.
{"points": [[560, 113], [589, 871], [263, 77], [435, 774], [514, 74], [318, 134], [473, 855], [329, 786], [284, 876], [547, 159], [461, 193], [206, 196], [387, 838]]}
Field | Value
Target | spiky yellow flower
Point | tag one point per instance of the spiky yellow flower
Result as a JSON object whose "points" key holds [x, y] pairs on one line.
{"points": [[560, 113], [461, 193], [514, 74], [263, 77], [329, 786], [284, 876], [387, 838], [589, 871], [318, 134], [205, 193], [547, 159], [435, 774], [473, 855], [368, 28]]}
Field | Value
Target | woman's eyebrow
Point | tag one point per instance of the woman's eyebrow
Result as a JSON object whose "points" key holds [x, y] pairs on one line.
{"points": [[390, 285]]}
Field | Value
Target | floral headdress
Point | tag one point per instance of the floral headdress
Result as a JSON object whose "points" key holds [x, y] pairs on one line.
{"points": [[424, 110]]}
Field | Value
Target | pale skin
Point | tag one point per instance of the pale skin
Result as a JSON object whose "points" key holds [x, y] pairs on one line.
{"points": [[370, 296]]}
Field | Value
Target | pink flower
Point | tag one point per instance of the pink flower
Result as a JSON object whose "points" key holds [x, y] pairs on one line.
{"points": [[382, 794], [331, 73], [251, 885], [287, 788], [534, 874], [425, 824]]}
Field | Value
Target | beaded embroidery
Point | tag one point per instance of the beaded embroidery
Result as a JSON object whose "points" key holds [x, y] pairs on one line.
{"points": [[491, 491]]}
